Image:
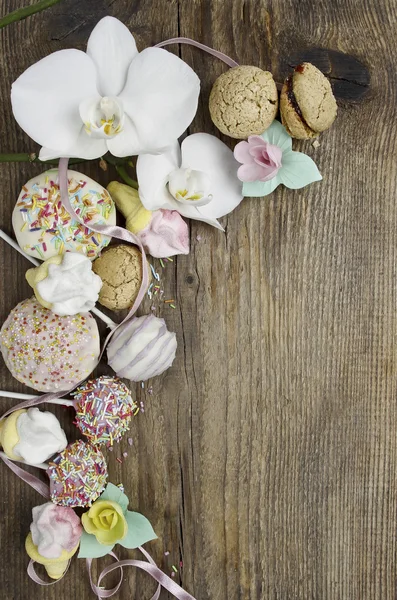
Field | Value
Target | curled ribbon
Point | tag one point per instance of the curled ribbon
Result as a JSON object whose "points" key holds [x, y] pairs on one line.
{"points": [[149, 567], [38, 485], [182, 40]]}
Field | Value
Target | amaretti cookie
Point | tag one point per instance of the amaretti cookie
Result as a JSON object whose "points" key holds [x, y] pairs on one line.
{"points": [[307, 103], [120, 268], [243, 102]]}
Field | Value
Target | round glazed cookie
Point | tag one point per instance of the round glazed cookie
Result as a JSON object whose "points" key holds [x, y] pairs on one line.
{"points": [[243, 102], [47, 352], [44, 228], [307, 103], [120, 268]]}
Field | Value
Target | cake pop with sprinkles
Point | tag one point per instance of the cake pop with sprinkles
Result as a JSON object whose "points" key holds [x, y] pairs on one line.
{"points": [[48, 352], [104, 408], [77, 475], [44, 228]]}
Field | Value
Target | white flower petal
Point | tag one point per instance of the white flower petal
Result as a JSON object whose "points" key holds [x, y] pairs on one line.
{"points": [[85, 147], [205, 152], [160, 97], [112, 47], [152, 172], [191, 212], [126, 142], [46, 97]]}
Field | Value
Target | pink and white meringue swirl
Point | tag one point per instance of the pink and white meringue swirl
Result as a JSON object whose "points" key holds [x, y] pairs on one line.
{"points": [[166, 235], [142, 348], [54, 529]]}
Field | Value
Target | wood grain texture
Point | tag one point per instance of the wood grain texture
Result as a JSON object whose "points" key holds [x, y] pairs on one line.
{"points": [[266, 458]]}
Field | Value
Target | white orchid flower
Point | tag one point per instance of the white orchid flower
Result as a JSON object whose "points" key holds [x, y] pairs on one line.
{"points": [[112, 98], [198, 179]]}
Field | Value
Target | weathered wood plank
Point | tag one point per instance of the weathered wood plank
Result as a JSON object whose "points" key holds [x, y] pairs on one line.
{"points": [[266, 457]]}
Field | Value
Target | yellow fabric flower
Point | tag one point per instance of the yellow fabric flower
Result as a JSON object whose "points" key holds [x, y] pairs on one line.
{"points": [[106, 521]]}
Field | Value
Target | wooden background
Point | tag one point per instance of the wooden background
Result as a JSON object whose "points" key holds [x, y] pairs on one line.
{"points": [[266, 457]]}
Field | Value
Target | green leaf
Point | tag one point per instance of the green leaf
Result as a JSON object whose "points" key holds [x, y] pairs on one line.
{"points": [[256, 189], [140, 531], [91, 548], [114, 494], [277, 135], [298, 170]]}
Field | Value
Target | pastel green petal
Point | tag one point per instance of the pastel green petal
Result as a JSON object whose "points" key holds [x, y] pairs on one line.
{"points": [[298, 170], [277, 134], [114, 494], [91, 548], [139, 532], [257, 189]]}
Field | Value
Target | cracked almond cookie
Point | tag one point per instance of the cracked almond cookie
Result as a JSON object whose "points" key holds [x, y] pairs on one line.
{"points": [[307, 103], [243, 102], [120, 268]]}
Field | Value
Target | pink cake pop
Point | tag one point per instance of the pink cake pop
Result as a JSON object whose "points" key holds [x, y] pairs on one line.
{"points": [[48, 352], [77, 475]]}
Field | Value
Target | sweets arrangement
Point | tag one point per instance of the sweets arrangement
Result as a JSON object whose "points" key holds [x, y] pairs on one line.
{"points": [[129, 104]]}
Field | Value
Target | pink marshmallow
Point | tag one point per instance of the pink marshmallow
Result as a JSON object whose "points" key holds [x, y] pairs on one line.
{"points": [[166, 235], [55, 528]]}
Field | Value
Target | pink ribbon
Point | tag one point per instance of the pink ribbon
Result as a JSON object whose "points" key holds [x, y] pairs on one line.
{"points": [[33, 575], [149, 567], [28, 478], [182, 40]]}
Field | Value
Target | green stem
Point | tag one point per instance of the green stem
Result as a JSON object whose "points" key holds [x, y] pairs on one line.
{"points": [[26, 11], [124, 175]]}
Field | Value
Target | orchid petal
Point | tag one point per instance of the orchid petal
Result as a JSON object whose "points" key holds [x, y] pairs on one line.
{"points": [[112, 48], [126, 142], [160, 97], [205, 152], [85, 147], [153, 171], [196, 213], [46, 97]]}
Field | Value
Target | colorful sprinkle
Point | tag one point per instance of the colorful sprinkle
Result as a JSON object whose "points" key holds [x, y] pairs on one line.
{"points": [[48, 352], [41, 210], [104, 408], [77, 475]]}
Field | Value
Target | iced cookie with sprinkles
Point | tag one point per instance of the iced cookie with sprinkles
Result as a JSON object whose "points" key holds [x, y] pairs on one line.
{"points": [[104, 408], [44, 228], [48, 352], [77, 475]]}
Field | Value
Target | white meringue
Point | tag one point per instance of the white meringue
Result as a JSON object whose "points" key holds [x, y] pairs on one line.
{"points": [[40, 436], [69, 287], [142, 348]]}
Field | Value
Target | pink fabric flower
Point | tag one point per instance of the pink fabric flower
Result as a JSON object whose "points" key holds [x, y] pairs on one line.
{"points": [[55, 528], [260, 160]]}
